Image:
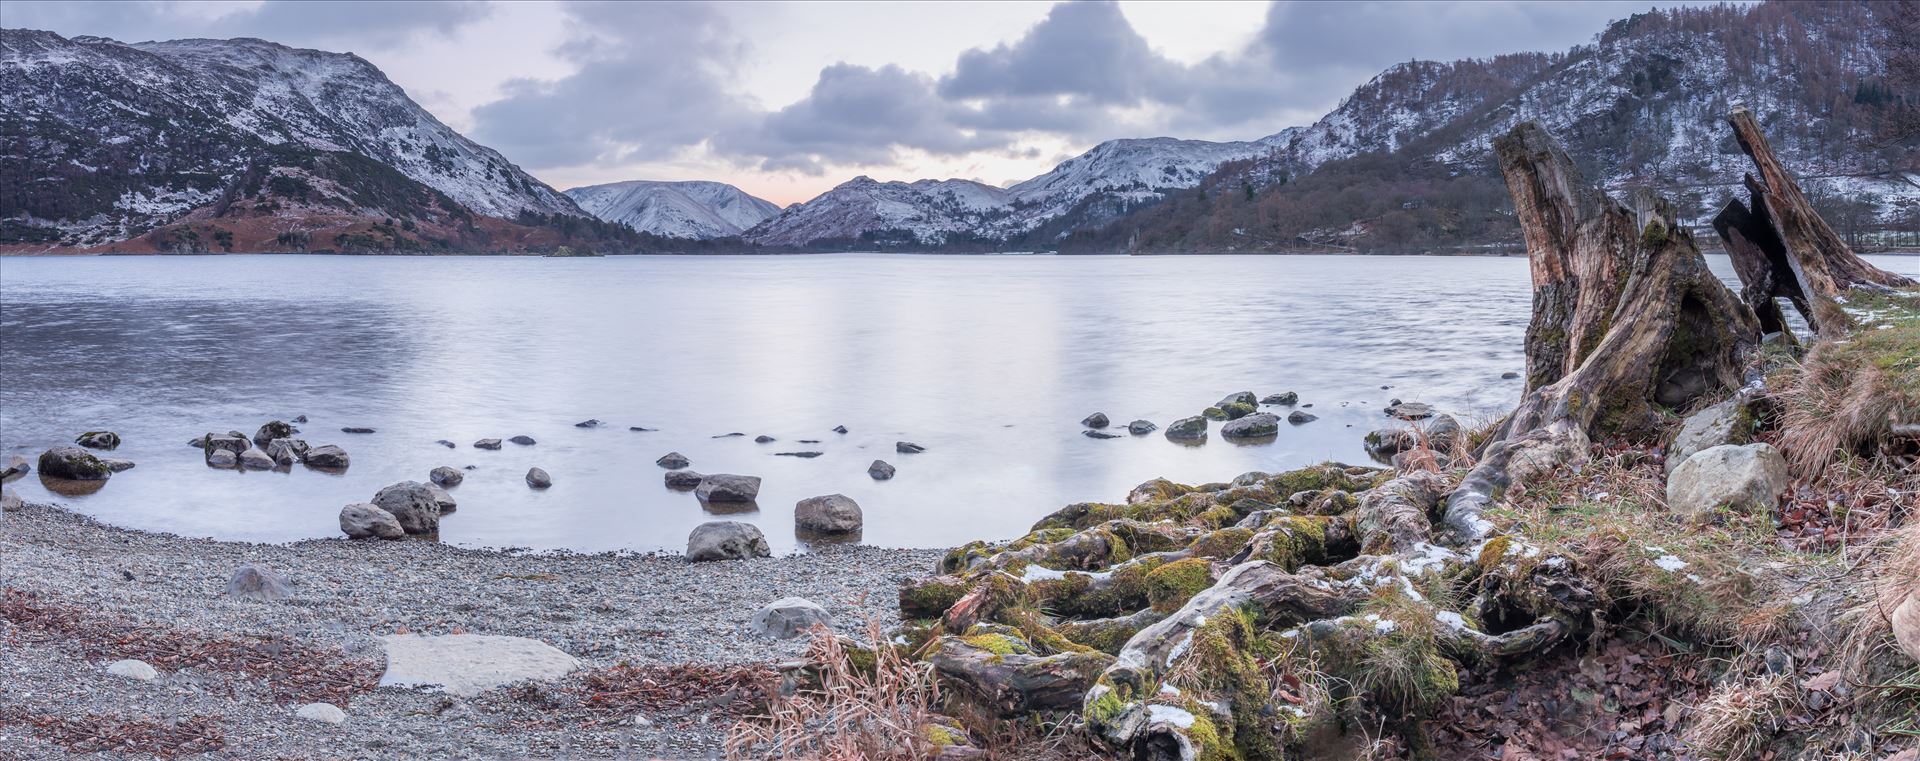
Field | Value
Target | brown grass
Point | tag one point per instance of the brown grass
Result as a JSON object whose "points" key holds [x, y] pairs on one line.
{"points": [[1738, 720], [881, 713], [1848, 392], [1891, 574]]}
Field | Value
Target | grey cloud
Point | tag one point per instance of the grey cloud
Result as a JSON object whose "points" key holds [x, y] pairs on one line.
{"points": [[1082, 49], [860, 115], [344, 24]]}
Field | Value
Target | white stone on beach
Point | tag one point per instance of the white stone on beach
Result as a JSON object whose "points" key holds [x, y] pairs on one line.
{"points": [[325, 713], [132, 669], [469, 664]]}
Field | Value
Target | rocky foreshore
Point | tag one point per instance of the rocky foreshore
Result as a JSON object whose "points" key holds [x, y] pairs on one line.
{"points": [[81, 596]]}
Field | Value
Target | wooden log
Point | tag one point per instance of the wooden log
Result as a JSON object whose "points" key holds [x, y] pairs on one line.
{"points": [[1393, 517], [1014, 683], [1782, 247]]}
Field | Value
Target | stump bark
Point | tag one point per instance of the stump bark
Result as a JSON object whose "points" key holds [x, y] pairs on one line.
{"points": [[1782, 248], [1627, 320]]}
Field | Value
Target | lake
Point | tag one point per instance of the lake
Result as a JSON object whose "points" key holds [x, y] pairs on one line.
{"points": [[990, 362]]}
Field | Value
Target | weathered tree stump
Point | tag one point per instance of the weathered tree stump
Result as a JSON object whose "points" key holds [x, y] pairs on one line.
{"points": [[1782, 248]]}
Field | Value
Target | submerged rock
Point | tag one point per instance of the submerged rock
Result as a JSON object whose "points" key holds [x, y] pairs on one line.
{"points": [[523, 440], [287, 451], [809, 454], [641, 428], [1095, 420], [1509, 375], [683, 480], [587, 424], [726, 540], [839, 429], [830, 514], [735, 434], [727, 487], [673, 461], [272, 430], [1214, 413], [229, 442], [1743, 478], [326, 456], [1092, 434], [412, 504], [763, 439], [16, 467], [364, 520], [446, 476], [255, 582], [356, 429], [116, 465], [1284, 398], [447, 444], [107, 440], [880, 470], [538, 478], [908, 447], [73, 464], [1141, 427], [221, 458], [1410, 410], [443, 499], [1298, 417], [1188, 428], [790, 617], [1252, 426], [487, 444], [256, 458]]}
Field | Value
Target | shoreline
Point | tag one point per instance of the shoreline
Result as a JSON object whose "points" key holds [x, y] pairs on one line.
{"points": [[605, 609]]}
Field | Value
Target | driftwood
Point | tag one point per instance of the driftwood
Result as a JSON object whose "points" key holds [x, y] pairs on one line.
{"points": [[1781, 248], [1627, 320], [1016, 682]]}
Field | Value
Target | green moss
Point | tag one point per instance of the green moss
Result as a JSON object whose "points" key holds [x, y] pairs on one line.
{"points": [[939, 736], [1493, 551], [1222, 543], [1106, 635], [1107, 705], [1296, 540], [1206, 737], [997, 643], [931, 597], [1226, 669], [1655, 234], [1327, 475], [963, 557], [1236, 410], [1081, 515], [1172, 585], [1214, 413], [1218, 516]]}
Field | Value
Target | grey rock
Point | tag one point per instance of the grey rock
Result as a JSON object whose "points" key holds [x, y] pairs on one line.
{"points": [[538, 478], [356, 429], [908, 447], [139, 671], [107, 440], [221, 458], [1509, 375], [807, 455], [10, 502], [523, 440], [1725, 423], [880, 470], [255, 458], [1251, 478], [73, 464], [287, 451], [735, 434], [362, 520], [300, 418], [272, 430], [763, 439], [326, 456], [1187, 428], [487, 444], [587, 424], [470, 664], [673, 461], [446, 443], [1092, 434], [1141, 427], [726, 540], [1744, 478], [254, 582], [1243, 397], [1095, 420], [16, 467], [727, 487], [116, 465], [1284, 397], [446, 476], [1410, 410], [1298, 417], [1252, 426], [830, 514], [228, 442], [683, 480], [1214, 413], [839, 429], [790, 617], [412, 504], [324, 713], [444, 500]]}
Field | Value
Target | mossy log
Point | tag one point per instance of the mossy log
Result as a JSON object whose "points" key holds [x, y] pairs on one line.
{"points": [[1393, 517], [1627, 321], [1782, 248], [1003, 672]]}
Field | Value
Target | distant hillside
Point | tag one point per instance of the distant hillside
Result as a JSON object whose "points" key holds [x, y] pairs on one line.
{"points": [[1405, 163], [246, 145], [694, 209]]}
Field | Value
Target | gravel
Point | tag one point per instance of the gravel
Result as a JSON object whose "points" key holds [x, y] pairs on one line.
{"points": [[604, 609]]}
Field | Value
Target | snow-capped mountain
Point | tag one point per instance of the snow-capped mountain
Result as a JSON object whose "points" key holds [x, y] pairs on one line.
{"points": [[692, 209], [1117, 173], [109, 140]]}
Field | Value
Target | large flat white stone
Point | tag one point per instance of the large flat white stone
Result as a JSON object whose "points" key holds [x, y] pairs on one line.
{"points": [[469, 664]]}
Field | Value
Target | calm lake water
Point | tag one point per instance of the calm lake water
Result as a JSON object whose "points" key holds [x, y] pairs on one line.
{"points": [[988, 361]]}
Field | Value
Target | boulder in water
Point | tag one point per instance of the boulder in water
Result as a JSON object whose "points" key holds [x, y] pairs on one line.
{"points": [[538, 478], [1141, 427], [595, 423], [16, 467], [523, 440], [1187, 428], [673, 461], [221, 458], [1095, 420], [831, 514], [839, 429], [880, 470], [763, 439], [326, 457], [362, 520], [446, 476], [1093, 434], [287, 451], [487, 444], [726, 540], [1299, 417], [73, 464], [1410, 410], [446, 443], [1252, 426], [356, 429], [107, 440], [908, 447], [272, 430], [683, 480], [1288, 398], [116, 465], [412, 504], [727, 487]]}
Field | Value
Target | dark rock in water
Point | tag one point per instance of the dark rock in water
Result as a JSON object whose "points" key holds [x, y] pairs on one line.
{"points": [[236, 434], [1298, 417], [364, 520], [1092, 434], [726, 540], [447, 444], [1141, 427], [255, 458], [272, 430], [1188, 428], [728, 435], [221, 458], [444, 500], [642, 429], [470, 467], [908, 447], [683, 480], [1304, 406], [116, 465], [73, 464], [1509, 375], [107, 440], [1214, 413], [1410, 410], [326, 456], [197, 442], [1244, 397], [807, 441], [831, 514], [880, 470], [673, 461], [356, 429], [16, 467], [726, 487], [523, 440], [587, 424], [538, 478], [446, 476], [287, 451], [1095, 420], [1238, 410], [412, 504], [839, 429], [300, 418], [1252, 426], [230, 443], [487, 444], [252, 582], [763, 439], [807, 454], [1285, 398]]}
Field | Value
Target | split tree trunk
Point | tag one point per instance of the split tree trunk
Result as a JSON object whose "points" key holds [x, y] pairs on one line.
{"points": [[1627, 319], [1782, 248]]}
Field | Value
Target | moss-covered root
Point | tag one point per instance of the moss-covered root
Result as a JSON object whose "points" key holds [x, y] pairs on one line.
{"points": [[1215, 705], [1108, 635], [931, 597], [1508, 461], [1293, 541], [1393, 517], [999, 670], [1094, 548]]}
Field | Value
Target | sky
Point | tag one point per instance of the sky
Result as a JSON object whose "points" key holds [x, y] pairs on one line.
{"points": [[788, 99]]}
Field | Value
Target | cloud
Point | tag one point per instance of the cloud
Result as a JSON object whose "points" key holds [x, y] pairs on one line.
{"points": [[860, 115], [1083, 50], [343, 24]]}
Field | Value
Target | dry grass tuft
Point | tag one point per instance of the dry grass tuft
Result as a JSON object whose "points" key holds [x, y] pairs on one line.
{"points": [[1890, 577], [1737, 721], [1848, 393], [875, 709]]}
